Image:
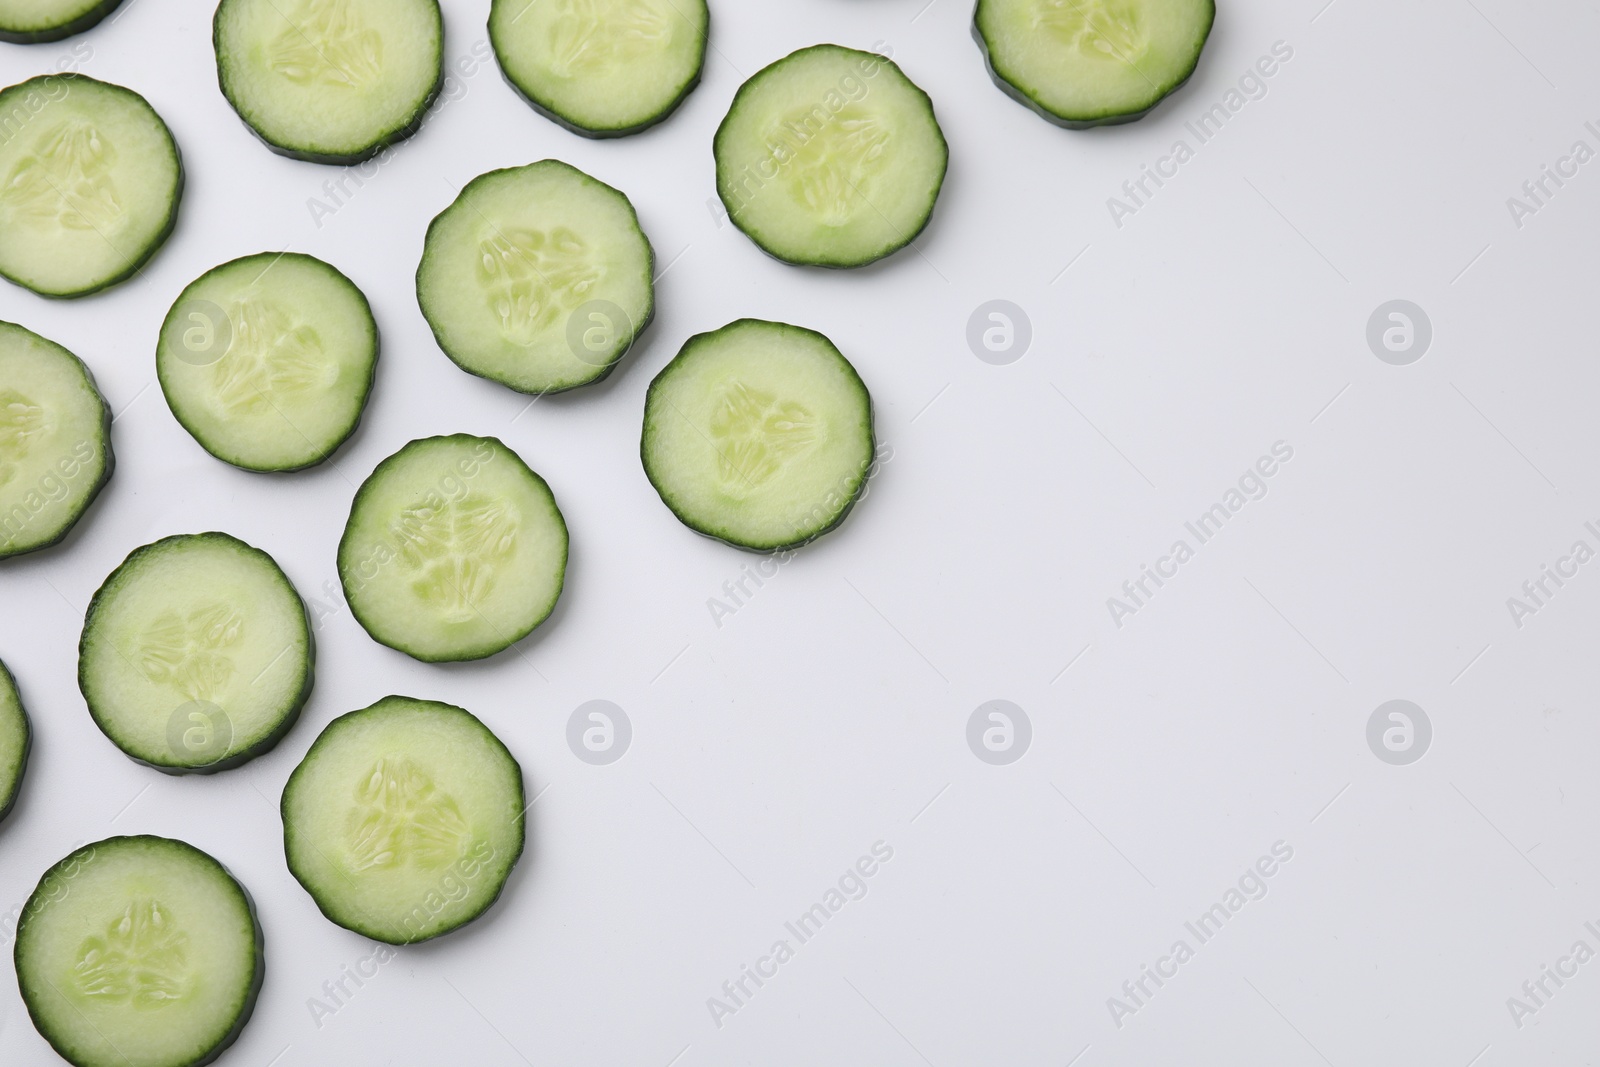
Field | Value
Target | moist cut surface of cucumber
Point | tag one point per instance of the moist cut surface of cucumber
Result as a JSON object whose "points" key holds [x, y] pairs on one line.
{"points": [[89, 184], [404, 820], [1083, 63], [758, 434], [196, 654], [454, 550], [55, 441], [139, 952], [36, 21], [602, 68], [268, 360], [16, 738]]}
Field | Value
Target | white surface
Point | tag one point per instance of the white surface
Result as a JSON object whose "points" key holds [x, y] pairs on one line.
{"points": [[808, 727]]}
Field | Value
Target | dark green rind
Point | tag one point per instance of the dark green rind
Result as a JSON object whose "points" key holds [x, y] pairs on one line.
{"points": [[828, 525], [8, 800], [105, 443], [365, 396], [155, 243], [246, 1008], [88, 20], [604, 372], [1080, 122], [833, 264], [267, 742], [410, 125], [485, 651], [327, 908], [600, 133]]}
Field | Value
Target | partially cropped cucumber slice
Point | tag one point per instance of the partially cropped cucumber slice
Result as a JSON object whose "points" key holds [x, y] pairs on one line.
{"points": [[196, 654], [404, 820], [454, 550], [602, 68], [139, 952], [268, 360], [55, 443], [330, 81], [16, 738], [758, 434], [537, 277], [89, 184], [1083, 63], [37, 21], [830, 157]]}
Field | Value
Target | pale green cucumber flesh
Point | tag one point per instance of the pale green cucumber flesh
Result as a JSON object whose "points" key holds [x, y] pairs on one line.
{"points": [[90, 179], [602, 68], [16, 738], [55, 443], [330, 81], [139, 952], [37, 21], [758, 434], [404, 820], [830, 157], [454, 550], [268, 360], [196, 654], [537, 277], [1085, 63]]}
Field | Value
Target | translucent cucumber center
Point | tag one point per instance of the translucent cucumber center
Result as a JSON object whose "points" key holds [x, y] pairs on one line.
{"points": [[188, 653], [756, 436], [141, 960], [273, 355], [402, 819], [65, 182], [21, 421], [1104, 29], [532, 279], [453, 549], [595, 37], [831, 159], [327, 43]]}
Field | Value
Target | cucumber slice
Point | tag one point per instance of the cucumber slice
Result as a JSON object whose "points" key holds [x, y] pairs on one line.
{"points": [[330, 81], [89, 184], [139, 952], [537, 277], [830, 157], [601, 68], [37, 21], [1083, 63], [268, 360], [16, 738], [196, 654], [454, 550], [404, 820], [55, 441], [758, 434]]}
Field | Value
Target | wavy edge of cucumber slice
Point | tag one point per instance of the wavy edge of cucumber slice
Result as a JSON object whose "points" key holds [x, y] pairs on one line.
{"points": [[1079, 122], [297, 703], [70, 28], [8, 800]]}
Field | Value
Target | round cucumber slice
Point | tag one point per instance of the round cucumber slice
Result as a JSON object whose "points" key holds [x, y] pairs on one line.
{"points": [[758, 434], [537, 277], [89, 184], [55, 441], [37, 21], [268, 360], [601, 68], [330, 81], [139, 952], [196, 654], [404, 820], [830, 157], [16, 738], [1083, 63], [454, 550]]}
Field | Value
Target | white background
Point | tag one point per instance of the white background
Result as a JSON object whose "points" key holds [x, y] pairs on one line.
{"points": [[827, 713]]}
